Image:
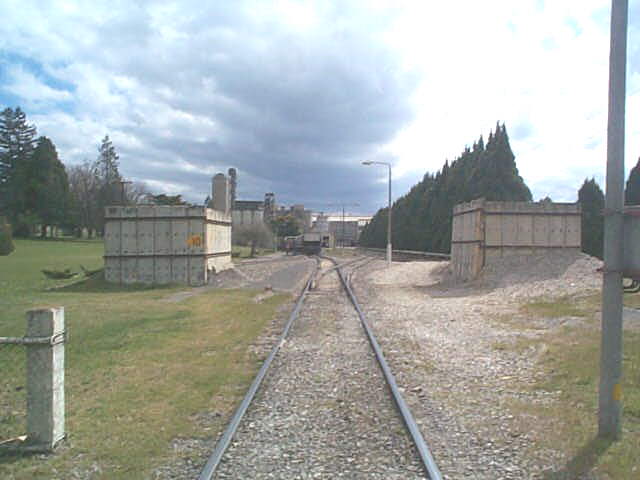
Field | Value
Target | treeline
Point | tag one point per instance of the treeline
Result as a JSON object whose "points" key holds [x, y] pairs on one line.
{"points": [[591, 198], [38, 193], [421, 219]]}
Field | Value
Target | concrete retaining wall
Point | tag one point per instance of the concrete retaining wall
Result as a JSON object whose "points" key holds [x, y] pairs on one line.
{"points": [[484, 231], [156, 244]]}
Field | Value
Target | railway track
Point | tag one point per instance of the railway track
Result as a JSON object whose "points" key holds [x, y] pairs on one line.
{"points": [[330, 407]]}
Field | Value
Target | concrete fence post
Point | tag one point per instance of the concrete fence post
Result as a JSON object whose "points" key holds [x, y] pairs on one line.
{"points": [[45, 377]]}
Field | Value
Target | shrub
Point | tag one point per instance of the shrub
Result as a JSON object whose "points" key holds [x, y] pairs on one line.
{"points": [[6, 237]]}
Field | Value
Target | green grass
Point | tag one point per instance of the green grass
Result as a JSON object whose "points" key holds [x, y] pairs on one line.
{"points": [[138, 369], [571, 365], [632, 300], [562, 307]]}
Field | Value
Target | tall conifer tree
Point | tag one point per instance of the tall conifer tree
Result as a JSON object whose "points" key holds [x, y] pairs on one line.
{"points": [[108, 179], [591, 200], [48, 186], [17, 140], [632, 190], [422, 219]]}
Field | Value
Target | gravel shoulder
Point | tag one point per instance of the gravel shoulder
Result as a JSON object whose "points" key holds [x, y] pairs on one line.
{"points": [[441, 340]]}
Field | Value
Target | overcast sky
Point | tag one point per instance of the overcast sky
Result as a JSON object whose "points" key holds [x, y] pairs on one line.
{"points": [[296, 94]]}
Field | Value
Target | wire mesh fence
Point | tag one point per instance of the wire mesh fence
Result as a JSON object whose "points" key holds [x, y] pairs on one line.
{"points": [[13, 391]]}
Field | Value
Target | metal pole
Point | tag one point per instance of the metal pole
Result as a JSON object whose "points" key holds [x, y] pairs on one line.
{"points": [[342, 242], [389, 222], [610, 394]]}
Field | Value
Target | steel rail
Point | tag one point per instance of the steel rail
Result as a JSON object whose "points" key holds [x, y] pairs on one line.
{"points": [[418, 440], [347, 263], [222, 444], [416, 253]]}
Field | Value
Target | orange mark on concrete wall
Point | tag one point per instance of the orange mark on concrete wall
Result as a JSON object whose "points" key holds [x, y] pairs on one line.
{"points": [[194, 241]]}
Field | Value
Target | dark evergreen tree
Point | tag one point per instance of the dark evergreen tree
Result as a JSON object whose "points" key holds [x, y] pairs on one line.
{"points": [[632, 191], [16, 148], [591, 200], [110, 187], [422, 219], [164, 199], [6, 238], [47, 186]]}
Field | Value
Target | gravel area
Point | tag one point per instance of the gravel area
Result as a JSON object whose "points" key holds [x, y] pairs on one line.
{"points": [[276, 272], [324, 410], [440, 339]]}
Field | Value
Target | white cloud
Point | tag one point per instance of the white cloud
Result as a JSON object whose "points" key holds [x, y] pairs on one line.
{"points": [[281, 89], [32, 90]]}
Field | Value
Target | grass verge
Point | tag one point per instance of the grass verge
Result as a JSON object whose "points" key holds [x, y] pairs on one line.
{"points": [[570, 363], [139, 370]]}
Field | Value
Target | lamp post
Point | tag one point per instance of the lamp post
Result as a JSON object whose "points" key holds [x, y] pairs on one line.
{"points": [[369, 162]]}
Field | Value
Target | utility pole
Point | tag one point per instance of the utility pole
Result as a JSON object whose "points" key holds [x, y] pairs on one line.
{"points": [[610, 393]]}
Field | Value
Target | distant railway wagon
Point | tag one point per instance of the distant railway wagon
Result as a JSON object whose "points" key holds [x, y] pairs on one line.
{"points": [[310, 243]]}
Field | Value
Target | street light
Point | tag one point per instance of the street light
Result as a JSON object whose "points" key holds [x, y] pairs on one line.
{"points": [[369, 162]]}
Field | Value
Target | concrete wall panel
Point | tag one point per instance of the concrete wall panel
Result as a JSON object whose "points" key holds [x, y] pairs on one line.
{"points": [[163, 244], [112, 270], [129, 269], [556, 237], [179, 241], [146, 270], [196, 241], [163, 239], [112, 238], [493, 230], [197, 271], [540, 230], [484, 231], [146, 237], [574, 231], [179, 270], [525, 230], [162, 270], [129, 237]]}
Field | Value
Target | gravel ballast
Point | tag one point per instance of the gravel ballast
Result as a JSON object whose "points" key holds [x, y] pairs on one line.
{"points": [[324, 410]]}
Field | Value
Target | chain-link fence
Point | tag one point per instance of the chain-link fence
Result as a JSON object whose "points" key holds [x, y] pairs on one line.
{"points": [[13, 391]]}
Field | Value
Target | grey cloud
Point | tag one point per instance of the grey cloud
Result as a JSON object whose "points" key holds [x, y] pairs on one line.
{"points": [[296, 113]]}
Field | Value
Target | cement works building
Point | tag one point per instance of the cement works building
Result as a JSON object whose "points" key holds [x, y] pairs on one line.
{"points": [[345, 229]]}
